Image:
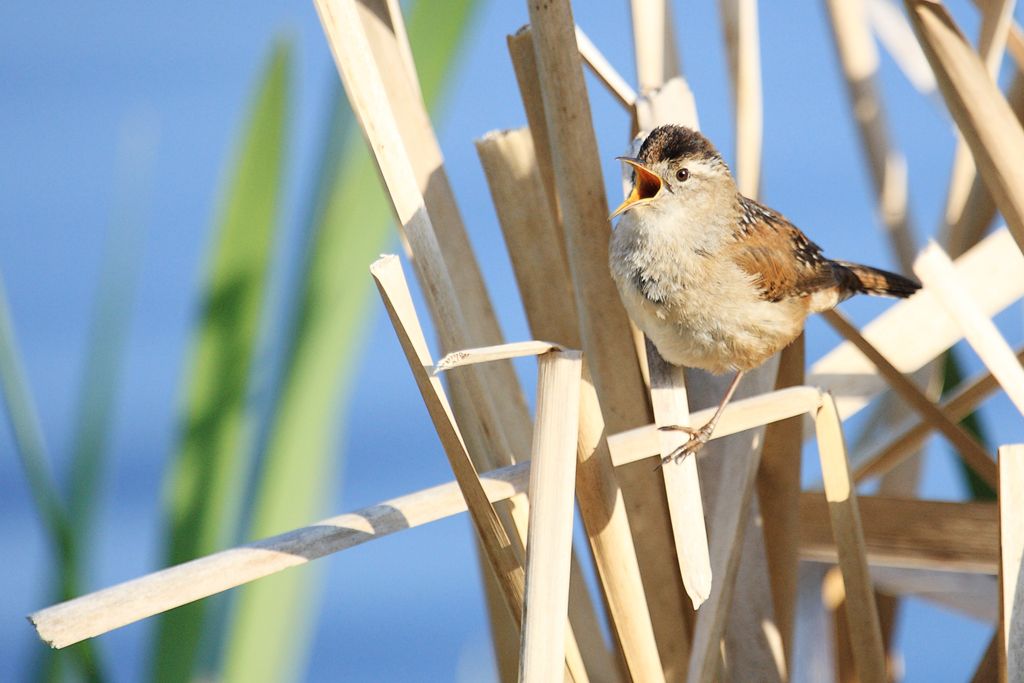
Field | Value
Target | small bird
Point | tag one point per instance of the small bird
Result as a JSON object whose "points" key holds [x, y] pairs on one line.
{"points": [[716, 280]]}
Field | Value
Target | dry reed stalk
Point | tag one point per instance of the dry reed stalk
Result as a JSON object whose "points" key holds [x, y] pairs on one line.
{"points": [[375, 101], [740, 415], [105, 610], [603, 322], [743, 47], [1011, 543], [995, 26], [992, 271], [605, 72], [682, 485], [604, 327], [509, 408], [534, 240], [657, 57], [972, 453], [736, 460], [908, 533], [958, 406], [861, 612], [524, 62], [497, 545], [978, 108], [675, 104], [532, 237], [608, 528], [387, 273], [549, 546], [938, 274], [535, 245], [778, 491], [859, 59], [489, 354]]}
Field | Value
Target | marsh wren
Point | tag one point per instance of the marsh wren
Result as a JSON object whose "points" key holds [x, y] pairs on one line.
{"points": [[716, 280]]}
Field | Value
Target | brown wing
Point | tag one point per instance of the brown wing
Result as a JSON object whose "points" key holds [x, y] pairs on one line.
{"points": [[780, 258]]}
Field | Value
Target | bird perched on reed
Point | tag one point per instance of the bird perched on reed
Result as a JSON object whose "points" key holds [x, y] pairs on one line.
{"points": [[716, 280]]}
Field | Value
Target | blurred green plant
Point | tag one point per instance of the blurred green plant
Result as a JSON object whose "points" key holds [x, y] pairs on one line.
{"points": [[208, 475], [32, 451], [270, 625], [224, 484]]}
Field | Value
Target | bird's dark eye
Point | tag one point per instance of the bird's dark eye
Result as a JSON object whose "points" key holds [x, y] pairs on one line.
{"points": [[682, 174]]}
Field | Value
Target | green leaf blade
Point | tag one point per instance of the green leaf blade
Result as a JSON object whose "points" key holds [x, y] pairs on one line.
{"points": [[209, 472]]}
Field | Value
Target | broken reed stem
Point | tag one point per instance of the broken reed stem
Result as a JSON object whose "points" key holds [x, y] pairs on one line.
{"points": [[105, 610], [978, 108], [958, 406], [858, 57], [501, 555], [937, 273], [368, 93], [604, 516], [682, 485], [536, 249], [972, 453], [861, 611], [387, 273], [585, 214], [743, 47], [993, 272], [549, 549], [489, 354], [423, 153], [532, 236], [508, 411], [1011, 542], [524, 62], [740, 415]]}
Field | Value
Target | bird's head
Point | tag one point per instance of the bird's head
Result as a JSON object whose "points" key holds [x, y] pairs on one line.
{"points": [[675, 165]]}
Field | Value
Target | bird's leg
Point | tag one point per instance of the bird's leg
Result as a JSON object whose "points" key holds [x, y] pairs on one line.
{"points": [[701, 435]]}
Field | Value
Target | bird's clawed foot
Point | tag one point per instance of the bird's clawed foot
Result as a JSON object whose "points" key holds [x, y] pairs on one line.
{"points": [[698, 437]]}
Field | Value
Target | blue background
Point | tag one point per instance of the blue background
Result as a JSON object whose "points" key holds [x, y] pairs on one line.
{"points": [[75, 76]]}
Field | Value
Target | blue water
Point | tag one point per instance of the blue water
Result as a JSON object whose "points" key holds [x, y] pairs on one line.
{"points": [[74, 75]]}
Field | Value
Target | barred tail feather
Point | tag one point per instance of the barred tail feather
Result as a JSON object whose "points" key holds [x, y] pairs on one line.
{"points": [[865, 279]]}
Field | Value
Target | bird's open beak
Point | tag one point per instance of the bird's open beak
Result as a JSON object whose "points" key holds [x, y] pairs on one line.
{"points": [[645, 188]]}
